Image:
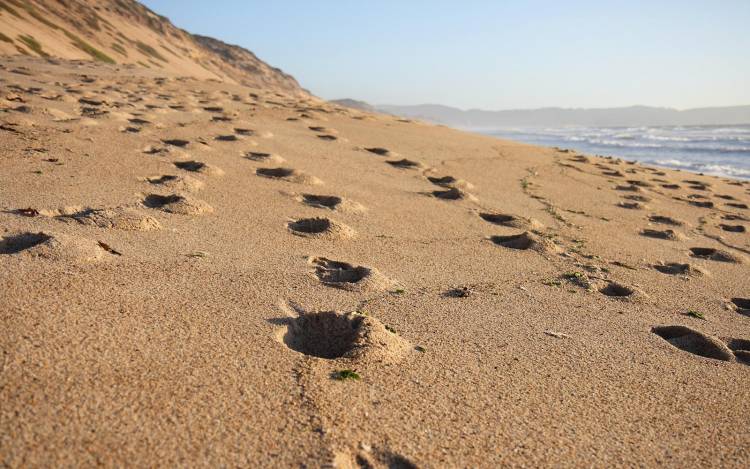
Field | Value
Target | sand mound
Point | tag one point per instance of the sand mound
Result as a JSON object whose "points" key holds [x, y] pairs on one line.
{"points": [[120, 218], [56, 247]]}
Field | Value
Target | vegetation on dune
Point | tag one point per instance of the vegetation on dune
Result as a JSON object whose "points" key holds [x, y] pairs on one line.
{"points": [[5, 38], [143, 64], [150, 51], [95, 53], [34, 13], [33, 44]]}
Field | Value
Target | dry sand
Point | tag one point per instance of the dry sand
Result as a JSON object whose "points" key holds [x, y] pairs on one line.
{"points": [[170, 298]]}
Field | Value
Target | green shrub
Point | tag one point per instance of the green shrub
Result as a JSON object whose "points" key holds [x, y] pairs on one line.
{"points": [[95, 53], [5, 38], [33, 44], [150, 51]]}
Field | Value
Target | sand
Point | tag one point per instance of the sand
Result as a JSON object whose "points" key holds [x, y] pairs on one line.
{"points": [[334, 288]]}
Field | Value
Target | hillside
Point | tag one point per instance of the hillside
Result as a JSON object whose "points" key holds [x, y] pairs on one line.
{"points": [[126, 32], [623, 116]]}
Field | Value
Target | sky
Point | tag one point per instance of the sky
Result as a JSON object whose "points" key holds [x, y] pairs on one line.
{"points": [[493, 54]]}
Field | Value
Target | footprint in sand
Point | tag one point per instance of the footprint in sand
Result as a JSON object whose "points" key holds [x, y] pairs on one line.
{"points": [[264, 157], [670, 235], [632, 205], [176, 183], [453, 193], [244, 132], [330, 202], [664, 220], [228, 138], [324, 130], [199, 167], [320, 227], [177, 204], [733, 228], [671, 186], [619, 291], [379, 151], [346, 276], [701, 203], [524, 241], [119, 218], [405, 164], [742, 305], [695, 342], [288, 175], [511, 221], [450, 181], [736, 205], [328, 137], [676, 268], [176, 142], [332, 335], [56, 247], [715, 255]]}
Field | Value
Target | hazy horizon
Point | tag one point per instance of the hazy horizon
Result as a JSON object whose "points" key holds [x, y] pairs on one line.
{"points": [[487, 55]]}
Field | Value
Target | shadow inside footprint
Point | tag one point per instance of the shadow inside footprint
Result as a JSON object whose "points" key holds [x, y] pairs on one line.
{"points": [[21, 242], [379, 151], [690, 340], [617, 290], [335, 272], [442, 181], [311, 225], [404, 163], [159, 201], [162, 179], [520, 241], [449, 194], [713, 254], [733, 228], [274, 172], [321, 201], [194, 166], [326, 334]]}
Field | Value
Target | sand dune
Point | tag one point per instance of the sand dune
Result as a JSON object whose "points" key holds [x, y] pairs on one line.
{"points": [[195, 273]]}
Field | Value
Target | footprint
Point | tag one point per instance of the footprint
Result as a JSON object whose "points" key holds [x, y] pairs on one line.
{"points": [[320, 228], [177, 204], [735, 205], [264, 157], [511, 221], [176, 183], [715, 255], [741, 349], [289, 175], [617, 290], [379, 151], [524, 241], [328, 137], [675, 268], [701, 204], [670, 186], [55, 247], [662, 234], [697, 343], [405, 164], [176, 142], [199, 167], [742, 304], [317, 128], [733, 228], [120, 218], [227, 138], [332, 335], [450, 181], [665, 220], [453, 193], [322, 201], [632, 205], [244, 132], [638, 198], [349, 277]]}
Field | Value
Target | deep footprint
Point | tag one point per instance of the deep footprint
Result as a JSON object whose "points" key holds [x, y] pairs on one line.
{"points": [[697, 343]]}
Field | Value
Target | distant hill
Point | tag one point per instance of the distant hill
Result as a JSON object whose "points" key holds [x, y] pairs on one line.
{"points": [[126, 32], [354, 104], [625, 116]]}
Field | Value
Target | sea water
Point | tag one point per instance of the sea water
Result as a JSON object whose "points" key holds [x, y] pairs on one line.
{"points": [[718, 150]]}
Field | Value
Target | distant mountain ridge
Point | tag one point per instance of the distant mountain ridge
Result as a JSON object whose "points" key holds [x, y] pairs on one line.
{"points": [[127, 32], [604, 117]]}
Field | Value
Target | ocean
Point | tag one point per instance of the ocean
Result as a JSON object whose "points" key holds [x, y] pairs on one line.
{"points": [[717, 150]]}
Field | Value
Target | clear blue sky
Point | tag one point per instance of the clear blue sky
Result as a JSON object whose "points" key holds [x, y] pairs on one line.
{"points": [[493, 54]]}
